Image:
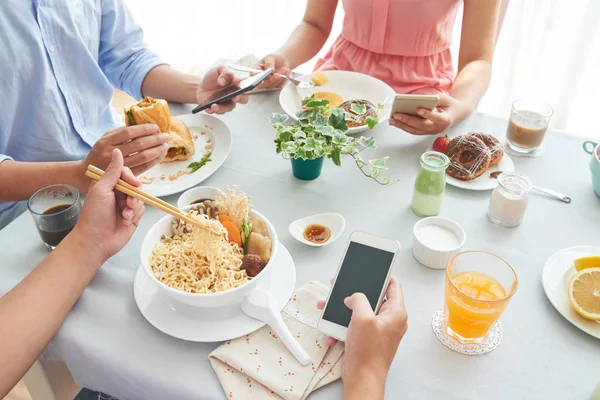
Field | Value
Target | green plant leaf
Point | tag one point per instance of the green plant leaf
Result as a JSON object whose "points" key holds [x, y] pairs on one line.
{"points": [[303, 114], [340, 139], [325, 130], [245, 230], [316, 103], [337, 119], [367, 142], [277, 118], [299, 135], [380, 106], [378, 165], [335, 155], [311, 144], [358, 109], [301, 153], [371, 122], [289, 147]]}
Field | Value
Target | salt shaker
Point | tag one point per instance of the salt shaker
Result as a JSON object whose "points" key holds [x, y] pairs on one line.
{"points": [[509, 200]]}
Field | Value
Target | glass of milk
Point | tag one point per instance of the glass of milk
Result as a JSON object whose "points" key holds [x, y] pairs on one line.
{"points": [[509, 200]]}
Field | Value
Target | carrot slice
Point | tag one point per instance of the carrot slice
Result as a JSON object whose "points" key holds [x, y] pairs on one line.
{"points": [[222, 218], [233, 233]]}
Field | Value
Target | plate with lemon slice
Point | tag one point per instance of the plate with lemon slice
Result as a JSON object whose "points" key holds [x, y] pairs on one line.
{"points": [[571, 280]]}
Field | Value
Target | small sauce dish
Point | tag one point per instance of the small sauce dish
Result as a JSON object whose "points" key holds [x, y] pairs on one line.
{"points": [[436, 240], [196, 195], [321, 229]]}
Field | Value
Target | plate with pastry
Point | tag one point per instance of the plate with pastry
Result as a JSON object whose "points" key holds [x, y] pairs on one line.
{"points": [[198, 146], [473, 158], [364, 99]]}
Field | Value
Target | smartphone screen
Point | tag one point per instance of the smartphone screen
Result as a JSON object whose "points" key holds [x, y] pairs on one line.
{"points": [[363, 270]]}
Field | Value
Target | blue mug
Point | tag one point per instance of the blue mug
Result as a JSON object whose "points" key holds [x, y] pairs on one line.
{"points": [[594, 150]]}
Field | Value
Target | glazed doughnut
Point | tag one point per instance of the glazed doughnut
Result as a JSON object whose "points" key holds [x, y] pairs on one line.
{"points": [[469, 157], [493, 145]]}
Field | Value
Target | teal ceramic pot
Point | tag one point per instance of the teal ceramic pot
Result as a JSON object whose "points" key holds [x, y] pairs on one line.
{"points": [[593, 149], [307, 170]]}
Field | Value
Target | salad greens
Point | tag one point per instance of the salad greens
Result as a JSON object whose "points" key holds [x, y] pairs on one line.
{"points": [[195, 166]]}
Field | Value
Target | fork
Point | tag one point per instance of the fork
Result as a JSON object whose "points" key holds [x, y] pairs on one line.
{"points": [[295, 82]]}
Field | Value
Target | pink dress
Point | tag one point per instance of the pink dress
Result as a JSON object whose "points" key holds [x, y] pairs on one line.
{"points": [[405, 43]]}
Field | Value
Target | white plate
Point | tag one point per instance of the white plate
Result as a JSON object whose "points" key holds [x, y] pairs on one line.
{"points": [[210, 325], [220, 137], [349, 85], [484, 182], [557, 273], [335, 222]]}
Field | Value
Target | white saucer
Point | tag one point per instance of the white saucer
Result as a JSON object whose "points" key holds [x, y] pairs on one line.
{"points": [[207, 324], [558, 271]]}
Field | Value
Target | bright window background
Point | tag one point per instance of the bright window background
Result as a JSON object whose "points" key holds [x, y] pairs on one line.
{"points": [[549, 49]]}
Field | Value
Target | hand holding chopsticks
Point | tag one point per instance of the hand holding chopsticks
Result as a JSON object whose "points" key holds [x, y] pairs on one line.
{"points": [[130, 190]]}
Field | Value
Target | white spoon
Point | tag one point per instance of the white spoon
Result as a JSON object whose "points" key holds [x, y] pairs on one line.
{"points": [[262, 306], [332, 221], [551, 193]]}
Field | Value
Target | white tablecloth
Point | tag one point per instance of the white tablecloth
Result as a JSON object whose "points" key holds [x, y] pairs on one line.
{"points": [[109, 346]]}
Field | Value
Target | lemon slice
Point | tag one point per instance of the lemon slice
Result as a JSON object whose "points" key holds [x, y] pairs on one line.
{"points": [[584, 293], [587, 262]]}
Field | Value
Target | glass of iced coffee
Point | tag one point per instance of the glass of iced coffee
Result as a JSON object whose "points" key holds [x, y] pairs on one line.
{"points": [[527, 126]]}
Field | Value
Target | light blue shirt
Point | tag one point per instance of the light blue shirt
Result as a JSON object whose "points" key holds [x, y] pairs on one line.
{"points": [[59, 63]]}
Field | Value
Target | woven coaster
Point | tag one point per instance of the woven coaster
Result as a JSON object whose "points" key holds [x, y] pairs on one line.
{"points": [[489, 344]]}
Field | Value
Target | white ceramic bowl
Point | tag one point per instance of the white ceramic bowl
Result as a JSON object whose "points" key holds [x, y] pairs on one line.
{"points": [[349, 85], [335, 222], [436, 240], [228, 297], [199, 192]]}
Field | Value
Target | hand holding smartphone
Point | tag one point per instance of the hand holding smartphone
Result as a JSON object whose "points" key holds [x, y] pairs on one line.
{"points": [[225, 95], [410, 103], [365, 268]]}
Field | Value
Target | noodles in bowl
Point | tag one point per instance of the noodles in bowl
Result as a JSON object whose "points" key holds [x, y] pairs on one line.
{"points": [[216, 263]]}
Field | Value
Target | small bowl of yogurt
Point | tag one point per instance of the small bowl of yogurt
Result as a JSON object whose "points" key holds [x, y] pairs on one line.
{"points": [[436, 240]]}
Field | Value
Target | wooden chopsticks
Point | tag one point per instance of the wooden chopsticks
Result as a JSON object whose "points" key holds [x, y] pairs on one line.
{"points": [[130, 190]]}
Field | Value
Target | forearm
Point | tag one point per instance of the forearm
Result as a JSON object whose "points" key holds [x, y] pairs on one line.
{"points": [[19, 180], [470, 86], [167, 83], [364, 387], [32, 312], [303, 44]]}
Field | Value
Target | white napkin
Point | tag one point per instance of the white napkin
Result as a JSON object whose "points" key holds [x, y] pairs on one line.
{"points": [[259, 366]]}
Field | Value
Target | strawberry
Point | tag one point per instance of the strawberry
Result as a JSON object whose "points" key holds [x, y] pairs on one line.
{"points": [[441, 143]]}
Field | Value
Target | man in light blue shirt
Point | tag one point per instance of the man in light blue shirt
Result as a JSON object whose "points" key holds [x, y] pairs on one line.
{"points": [[59, 63]]}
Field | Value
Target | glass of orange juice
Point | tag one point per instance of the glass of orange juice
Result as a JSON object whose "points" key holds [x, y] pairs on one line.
{"points": [[479, 286]]}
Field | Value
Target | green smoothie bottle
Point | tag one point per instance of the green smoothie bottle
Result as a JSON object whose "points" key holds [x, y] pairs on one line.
{"points": [[430, 184]]}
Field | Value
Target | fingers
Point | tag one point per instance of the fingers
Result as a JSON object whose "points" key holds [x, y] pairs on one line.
{"points": [[320, 304], [394, 296], [132, 216], [445, 100], [330, 341], [415, 122], [113, 172], [436, 117], [226, 76], [147, 158], [359, 305], [407, 128], [128, 176], [143, 143], [127, 133]]}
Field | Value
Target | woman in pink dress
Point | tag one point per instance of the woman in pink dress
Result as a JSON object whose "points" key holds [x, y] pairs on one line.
{"points": [[405, 43]]}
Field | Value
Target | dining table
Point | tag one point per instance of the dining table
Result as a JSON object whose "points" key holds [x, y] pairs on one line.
{"points": [[108, 346]]}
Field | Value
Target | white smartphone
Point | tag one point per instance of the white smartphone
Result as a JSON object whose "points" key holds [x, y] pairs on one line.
{"points": [[365, 268], [410, 103]]}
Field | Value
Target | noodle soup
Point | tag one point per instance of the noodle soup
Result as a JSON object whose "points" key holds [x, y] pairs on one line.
{"points": [[201, 267]]}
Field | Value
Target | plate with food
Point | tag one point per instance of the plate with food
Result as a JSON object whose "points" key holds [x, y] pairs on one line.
{"points": [[198, 147], [208, 268], [365, 99], [475, 160], [571, 280]]}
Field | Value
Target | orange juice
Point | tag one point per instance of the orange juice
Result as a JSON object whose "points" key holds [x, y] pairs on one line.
{"points": [[473, 304]]}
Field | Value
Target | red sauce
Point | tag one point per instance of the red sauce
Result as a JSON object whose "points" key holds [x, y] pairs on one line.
{"points": [[317, 233]]}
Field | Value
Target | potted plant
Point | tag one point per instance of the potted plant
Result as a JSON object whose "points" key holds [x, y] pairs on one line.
{"points": [[320, 133]]}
